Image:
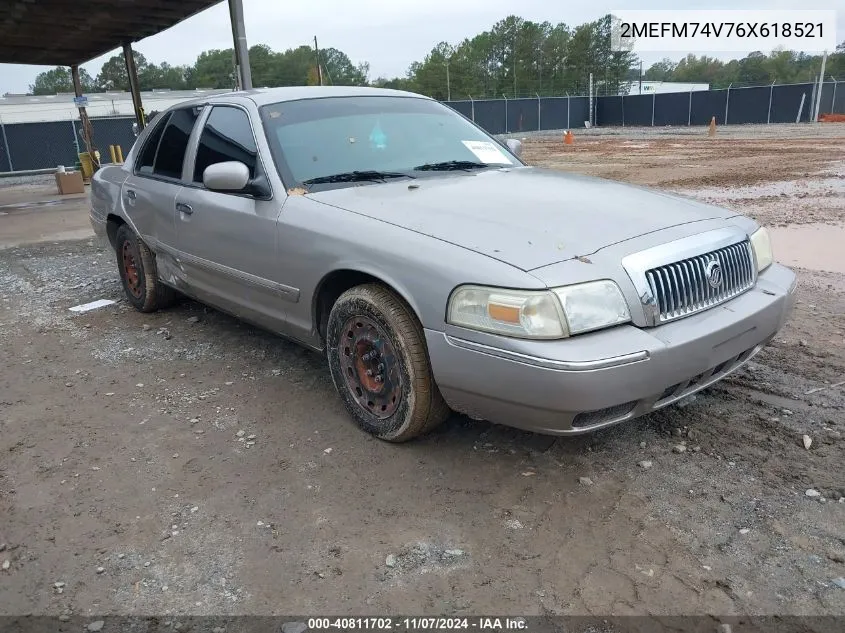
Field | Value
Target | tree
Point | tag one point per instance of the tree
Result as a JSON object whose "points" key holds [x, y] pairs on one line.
{"points": [[340, 71], [660, 71], [113, 74], [213, 69], [262, 61], [60, 80], [515, 57], [163, 76]]}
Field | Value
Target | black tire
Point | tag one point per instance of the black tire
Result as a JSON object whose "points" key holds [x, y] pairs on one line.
{"points": [[138, 273], [370, 319]]}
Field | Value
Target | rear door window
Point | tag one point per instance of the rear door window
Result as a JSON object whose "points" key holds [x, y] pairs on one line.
{"points": [[227, 136], [174, 143], [147, 156]]}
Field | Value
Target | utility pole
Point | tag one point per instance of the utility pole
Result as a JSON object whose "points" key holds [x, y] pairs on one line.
{"points": [[821, 86], [641, 77], [319, 66], [448, 83]]}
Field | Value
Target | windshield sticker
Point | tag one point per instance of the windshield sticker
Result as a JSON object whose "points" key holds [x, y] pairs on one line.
{"points": [[378, 139], [487, 152]]}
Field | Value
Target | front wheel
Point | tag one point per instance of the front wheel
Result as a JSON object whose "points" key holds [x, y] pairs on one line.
{"points": [[380, 367]]}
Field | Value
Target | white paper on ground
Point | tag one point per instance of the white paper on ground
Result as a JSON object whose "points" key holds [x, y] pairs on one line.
{"points": [[85, 307], [487, 152]]}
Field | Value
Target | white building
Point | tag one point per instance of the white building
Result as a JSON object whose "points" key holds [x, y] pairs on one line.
{"points": [[659, 87], [60, 107]]}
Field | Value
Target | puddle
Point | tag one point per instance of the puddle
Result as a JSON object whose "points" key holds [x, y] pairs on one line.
{"points": [[23, 206], [787, 188], [813, 246]]}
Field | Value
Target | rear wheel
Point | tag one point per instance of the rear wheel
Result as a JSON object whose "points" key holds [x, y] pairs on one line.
{"points": [[138, 273], [380, 367]]}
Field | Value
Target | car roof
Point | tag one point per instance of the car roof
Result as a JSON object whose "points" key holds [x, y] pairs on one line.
{"points": [[264, 96]]}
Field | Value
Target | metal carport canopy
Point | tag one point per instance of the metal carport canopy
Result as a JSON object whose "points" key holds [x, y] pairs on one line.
{"points": [[72, 32]]}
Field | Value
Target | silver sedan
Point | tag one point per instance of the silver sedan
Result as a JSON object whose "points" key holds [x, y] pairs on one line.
{"points": [[433, 268]]}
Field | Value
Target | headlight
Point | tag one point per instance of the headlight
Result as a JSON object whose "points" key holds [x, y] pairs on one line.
{"points": [[593, 305], [762, 246], [539, 314], [519, 313]]}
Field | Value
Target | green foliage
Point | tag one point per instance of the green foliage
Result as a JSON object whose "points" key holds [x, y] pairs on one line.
{"points": [[215, 69], [779, 66], [515, 57], [522, 58], [60, 80]]}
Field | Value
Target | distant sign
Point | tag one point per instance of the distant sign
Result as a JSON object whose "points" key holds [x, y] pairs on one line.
{"points": [[80, 102]]}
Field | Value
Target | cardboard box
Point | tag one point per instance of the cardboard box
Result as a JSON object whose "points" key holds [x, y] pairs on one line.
{"points": [[70, 182]]}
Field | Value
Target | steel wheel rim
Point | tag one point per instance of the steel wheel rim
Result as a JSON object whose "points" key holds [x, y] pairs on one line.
{"points": [[370, 368], [130, 270]]}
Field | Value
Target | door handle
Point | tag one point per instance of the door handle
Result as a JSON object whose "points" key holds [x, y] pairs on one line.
{"points": [[184, 208], [130, 193]]}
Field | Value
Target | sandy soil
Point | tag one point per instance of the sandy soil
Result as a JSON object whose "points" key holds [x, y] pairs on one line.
{"points": [[123, 475]]}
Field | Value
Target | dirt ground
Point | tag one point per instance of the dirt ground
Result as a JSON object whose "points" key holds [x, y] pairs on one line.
{"points": [[181, 462]]}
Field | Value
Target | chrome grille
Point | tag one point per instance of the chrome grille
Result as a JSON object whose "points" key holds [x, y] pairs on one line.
{"points": [[682, 288]]}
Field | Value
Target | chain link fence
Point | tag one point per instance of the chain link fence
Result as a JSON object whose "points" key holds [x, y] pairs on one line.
{"points": [[777, 103], [47, 144]]}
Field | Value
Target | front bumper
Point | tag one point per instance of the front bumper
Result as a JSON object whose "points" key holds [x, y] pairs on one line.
{"points": [[575, 386]]}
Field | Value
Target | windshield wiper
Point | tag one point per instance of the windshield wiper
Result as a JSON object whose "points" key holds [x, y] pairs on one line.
{"points": [[356, 176], [451, 165]]}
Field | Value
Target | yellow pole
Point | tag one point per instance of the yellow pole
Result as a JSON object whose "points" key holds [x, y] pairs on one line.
{"points": [[119, 154], [113, 154]]}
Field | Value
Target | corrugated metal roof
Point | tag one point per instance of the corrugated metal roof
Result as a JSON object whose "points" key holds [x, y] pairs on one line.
{"points": [[69, 32], [60, 107]]}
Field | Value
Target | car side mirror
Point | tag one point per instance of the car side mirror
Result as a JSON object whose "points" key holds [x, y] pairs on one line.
{"points": [[515, 146], [229, 176]]}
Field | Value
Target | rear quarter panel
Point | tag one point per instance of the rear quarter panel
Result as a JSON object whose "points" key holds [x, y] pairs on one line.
{"points": [[105, 196]]}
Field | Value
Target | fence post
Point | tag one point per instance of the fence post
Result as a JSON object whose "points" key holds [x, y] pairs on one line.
{"points": [[538, 111], [506, 112], [689, 111], [801, 107], [833, 101], [568, 125], [472, 108], [623, 110], [75, 139], [727, 102], [813, 101], [9, 153], [771, 92], [653, 99]]}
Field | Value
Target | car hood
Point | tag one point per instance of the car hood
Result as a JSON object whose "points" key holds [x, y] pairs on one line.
{"points": [[527, 217]]}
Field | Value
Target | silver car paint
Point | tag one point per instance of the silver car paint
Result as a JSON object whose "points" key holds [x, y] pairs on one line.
{"points": [[519, 227], [550, 216]]}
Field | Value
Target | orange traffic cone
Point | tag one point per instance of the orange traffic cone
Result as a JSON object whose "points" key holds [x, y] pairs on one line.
{"points": [[712, 130], [568, 139]]}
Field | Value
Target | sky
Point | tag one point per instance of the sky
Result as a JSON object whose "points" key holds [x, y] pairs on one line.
{"points": [[389, 34]]}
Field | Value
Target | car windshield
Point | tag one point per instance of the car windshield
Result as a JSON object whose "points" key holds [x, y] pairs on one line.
{"points": [[360, 139]]}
